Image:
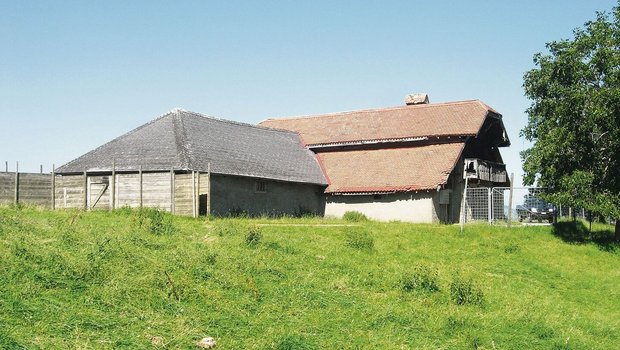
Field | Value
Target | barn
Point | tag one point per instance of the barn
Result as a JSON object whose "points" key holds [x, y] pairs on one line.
{"points": [[406, 162], [190, 164]]}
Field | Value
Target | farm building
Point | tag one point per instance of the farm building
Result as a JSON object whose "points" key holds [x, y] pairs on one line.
{"points": [[404, 163], [190, 164], [401, 163]]}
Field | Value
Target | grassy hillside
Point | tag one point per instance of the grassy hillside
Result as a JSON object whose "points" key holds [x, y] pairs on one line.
{"points": [[140, 280]]}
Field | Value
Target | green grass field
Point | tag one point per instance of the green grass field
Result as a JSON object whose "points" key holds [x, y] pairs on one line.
{"points": [[143, 280]]}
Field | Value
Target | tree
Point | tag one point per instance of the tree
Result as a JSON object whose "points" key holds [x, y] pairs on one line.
{"points": [[574, 119]]}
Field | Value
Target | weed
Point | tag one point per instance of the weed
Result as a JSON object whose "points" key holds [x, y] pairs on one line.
{"points": [[303, 212], [211, 258], [422, 278], [465, 291], [359, 239], [354, 216], [225, 228], [511, 248], [156, 220], [294, 342], [253, 236]]}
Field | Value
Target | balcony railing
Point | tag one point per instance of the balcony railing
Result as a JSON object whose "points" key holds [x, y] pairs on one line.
{"points": [[485, 170]]}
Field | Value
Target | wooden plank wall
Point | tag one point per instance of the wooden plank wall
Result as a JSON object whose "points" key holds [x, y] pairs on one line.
{"points": [[183, 194], [69, 191], [128, 191], [156, 190], [35, 189], [7, 188], [95, 185]]}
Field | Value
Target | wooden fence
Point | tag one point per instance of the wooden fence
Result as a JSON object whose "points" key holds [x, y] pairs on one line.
{"points": [[177, 192]]}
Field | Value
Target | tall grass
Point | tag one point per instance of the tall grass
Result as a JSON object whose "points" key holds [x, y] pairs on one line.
{"points": [[100, 280]]}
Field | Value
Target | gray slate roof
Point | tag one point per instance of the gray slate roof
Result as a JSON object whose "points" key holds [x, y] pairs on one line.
{"points": [[185, 140]]}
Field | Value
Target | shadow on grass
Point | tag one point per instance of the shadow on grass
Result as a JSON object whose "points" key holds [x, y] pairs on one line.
{"points": [[576, 232]]}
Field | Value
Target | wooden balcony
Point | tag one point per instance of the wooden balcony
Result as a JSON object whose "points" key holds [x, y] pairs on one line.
{"points": [[484, 170]]}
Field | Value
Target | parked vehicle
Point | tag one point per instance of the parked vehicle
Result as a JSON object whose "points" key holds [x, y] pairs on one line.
{"points": [[535, 209]]}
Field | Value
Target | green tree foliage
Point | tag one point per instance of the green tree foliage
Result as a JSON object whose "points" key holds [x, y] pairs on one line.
{"points": [[574, 118]]}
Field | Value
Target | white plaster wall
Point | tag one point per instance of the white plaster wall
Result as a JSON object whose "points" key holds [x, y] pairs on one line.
{"points": [[411, 207]]}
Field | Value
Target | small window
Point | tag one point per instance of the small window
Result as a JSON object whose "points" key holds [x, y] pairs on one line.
{"points": [[260, 187]]}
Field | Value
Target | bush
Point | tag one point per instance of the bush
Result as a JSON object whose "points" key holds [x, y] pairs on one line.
{"points": [[253, 236], [354, 216], [359, 239], [423, 278], [465, 291], [156, 221]]}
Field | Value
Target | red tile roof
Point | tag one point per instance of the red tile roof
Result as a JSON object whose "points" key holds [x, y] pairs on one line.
{"points": [[390, 170], [463, 118]]}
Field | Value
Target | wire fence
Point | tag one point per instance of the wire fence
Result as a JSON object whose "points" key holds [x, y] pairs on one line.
{"points": [[506, 205]]}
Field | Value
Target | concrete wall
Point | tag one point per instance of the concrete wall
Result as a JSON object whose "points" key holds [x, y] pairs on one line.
{"points": [[411, 207], [235, 194]]}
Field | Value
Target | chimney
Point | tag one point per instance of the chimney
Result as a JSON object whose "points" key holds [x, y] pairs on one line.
{"points": [[416, 99]]}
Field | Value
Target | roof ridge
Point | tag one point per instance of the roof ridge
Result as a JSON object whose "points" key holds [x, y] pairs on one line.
{"points": [[181, 140], [370, 110], [233, 122]]}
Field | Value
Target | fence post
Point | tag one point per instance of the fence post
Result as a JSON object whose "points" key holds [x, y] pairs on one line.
{"points": [[140, 176], [197, 194], [490, 205], [172, 195], [6, 166], [113, 185], [193, 194], [208, 189], [512, 181], [85, 190], [16, 199], [463, 204], [53, 186]]}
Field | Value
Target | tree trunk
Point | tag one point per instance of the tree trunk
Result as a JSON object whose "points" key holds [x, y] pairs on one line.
{"points": [[618, 229]]}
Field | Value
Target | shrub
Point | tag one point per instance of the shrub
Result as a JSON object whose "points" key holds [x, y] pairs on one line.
{"points": [[253, 236], [422, 278], [465, 291], [359, 239], [156, 221], [354, 216]]}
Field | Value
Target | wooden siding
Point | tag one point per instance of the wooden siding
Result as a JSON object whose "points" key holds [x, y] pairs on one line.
{"points": [[156, 190], [7, 188], [97, 184], [183, 194], [35, 189], [69, 192], [127, 191]]}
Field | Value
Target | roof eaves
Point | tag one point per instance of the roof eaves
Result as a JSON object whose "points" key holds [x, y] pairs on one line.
{"points": [[366, 142]]}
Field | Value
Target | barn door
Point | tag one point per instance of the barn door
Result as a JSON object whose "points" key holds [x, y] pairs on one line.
{"points": [[98, 192]]}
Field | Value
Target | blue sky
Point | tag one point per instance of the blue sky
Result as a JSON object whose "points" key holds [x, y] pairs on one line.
{"points": [[75, 74]]}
